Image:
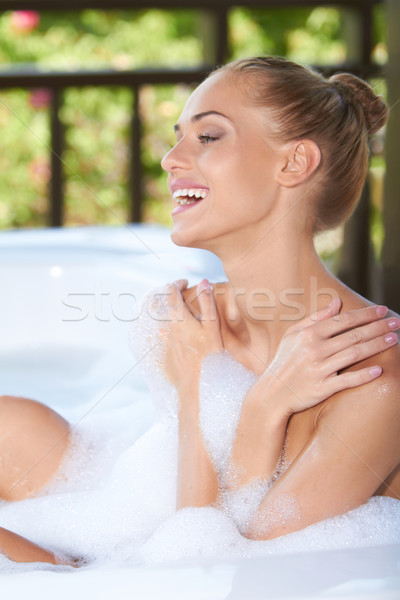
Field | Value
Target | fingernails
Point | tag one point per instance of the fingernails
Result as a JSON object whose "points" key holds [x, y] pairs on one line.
{"points": [[390, 338], [333, 302], [375, 371], [394, 323], [381, 311], [181, 282], [204, 285]]}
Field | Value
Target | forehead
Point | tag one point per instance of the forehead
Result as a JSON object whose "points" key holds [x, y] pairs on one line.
{"points": [[219, 92]]}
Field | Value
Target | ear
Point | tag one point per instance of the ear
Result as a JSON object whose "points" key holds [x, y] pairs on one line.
{"points": [[300, 160]]}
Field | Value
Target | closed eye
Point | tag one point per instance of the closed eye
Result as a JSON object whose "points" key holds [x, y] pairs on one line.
{"points": [[206, 139]]}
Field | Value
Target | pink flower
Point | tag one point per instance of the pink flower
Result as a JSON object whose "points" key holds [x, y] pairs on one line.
{"points": [[39, 171], [40, 98], [25, 21]]}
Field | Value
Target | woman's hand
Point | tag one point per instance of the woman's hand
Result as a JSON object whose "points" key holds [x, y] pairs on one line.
{"points": [[305, 371], [190, 338], [308, 365]]}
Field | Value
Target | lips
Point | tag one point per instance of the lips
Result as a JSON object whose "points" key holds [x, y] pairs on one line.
{"points": [[190, 196], [185, 184], [187, 193]]}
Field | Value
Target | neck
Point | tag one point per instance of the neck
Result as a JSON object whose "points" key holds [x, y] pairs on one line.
{"points": [[274, 284]]}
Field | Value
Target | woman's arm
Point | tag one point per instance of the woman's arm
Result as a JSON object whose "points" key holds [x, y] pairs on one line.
{"points": [[353, 450], [306, 370], [189, 340], [19, 549], [197, 480]]}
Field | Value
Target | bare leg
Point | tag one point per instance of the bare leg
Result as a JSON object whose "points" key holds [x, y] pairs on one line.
{"points": [[33, 442], [20, 549]]}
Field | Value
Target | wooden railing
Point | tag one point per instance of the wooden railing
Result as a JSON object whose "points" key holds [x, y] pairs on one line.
{"points": [[356, 268]]}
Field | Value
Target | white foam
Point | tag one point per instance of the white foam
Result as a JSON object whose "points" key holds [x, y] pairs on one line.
{"points": [[114, 498], [223, 385], [242, 503], [193, 533], [199, 533], [147, 340]]}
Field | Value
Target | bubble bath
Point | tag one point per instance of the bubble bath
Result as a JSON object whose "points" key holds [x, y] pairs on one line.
{"points": [[113, 500]]}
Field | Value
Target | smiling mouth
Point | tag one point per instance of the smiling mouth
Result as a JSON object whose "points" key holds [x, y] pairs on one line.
{"points": [[189, 196]]}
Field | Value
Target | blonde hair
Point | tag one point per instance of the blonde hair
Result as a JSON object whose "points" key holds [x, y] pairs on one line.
{"points": [[339, 114]]}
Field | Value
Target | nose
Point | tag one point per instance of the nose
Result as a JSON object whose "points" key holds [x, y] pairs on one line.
{"points": [[176, 158]]}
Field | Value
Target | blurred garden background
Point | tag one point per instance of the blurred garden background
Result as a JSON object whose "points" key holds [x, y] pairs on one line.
{"points": [[96, 121]]}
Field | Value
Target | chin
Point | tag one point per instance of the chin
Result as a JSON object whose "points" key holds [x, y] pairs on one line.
{"points": [[186, 243], [194, 238], [181, 238]]}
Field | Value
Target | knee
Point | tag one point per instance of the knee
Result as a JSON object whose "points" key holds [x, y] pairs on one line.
{"points": [[22, 414], [10, 407], [5, 399], [33, 441], [32, 421], [6, 402], [10, 404]]}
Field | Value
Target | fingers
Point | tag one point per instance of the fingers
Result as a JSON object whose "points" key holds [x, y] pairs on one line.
{"points": [[205, 297], [331, 310], [178, 308], [350, 320], [365, 333], [181, 284], [358, 352], [208, 313], [208, 309], [352, 379]]}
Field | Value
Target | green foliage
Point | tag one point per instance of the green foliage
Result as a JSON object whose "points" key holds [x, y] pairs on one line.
{"points": [[94, 39], [24, 162], [97, 120], [304, 34]]}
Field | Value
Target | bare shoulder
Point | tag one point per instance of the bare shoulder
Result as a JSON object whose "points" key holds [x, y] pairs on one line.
{"points": [[382, 393], [377, 400], [352, 300], [385, 388], [367, 418]]}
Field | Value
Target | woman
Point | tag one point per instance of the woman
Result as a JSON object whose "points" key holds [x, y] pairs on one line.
{"points": [[278, 153], [267, 154]]}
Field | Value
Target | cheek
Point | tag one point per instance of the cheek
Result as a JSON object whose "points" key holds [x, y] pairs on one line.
{"points": [[230, 170], [246, 188]]}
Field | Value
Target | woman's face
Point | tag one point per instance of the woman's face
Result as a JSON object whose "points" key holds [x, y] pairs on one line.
{"points": [[221, 170]]}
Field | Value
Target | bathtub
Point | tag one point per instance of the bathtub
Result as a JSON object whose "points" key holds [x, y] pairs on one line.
{"points": [[66, 300]]}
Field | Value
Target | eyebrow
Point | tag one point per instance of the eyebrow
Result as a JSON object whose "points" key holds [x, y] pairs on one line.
{"points": [[200, 116]]}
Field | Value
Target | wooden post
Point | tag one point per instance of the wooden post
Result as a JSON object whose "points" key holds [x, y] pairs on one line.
{"points": [[136, 181], [391, 207], [56, 213], [213, 31], [357, 265], [356, 252]]}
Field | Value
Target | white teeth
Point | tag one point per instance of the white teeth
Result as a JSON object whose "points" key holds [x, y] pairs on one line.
{"points": [[182, 196], [182, 201]]}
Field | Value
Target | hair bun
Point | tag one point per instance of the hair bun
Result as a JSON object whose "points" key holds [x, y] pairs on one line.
{"points": [[374, 108]]}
